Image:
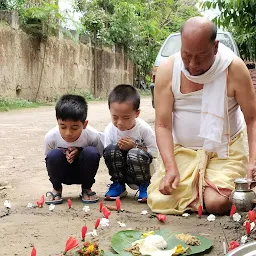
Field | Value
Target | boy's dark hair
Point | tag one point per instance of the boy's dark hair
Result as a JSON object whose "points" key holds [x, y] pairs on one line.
{"points": [[123, 93], [72, 107]]}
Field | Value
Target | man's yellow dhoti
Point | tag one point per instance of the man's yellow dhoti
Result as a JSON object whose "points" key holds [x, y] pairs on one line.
{"points": [[199, 169]]}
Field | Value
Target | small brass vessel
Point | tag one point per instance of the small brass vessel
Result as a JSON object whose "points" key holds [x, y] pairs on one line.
{"points": [[243, 197]]}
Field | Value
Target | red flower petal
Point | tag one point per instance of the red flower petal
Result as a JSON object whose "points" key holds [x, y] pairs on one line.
{"points": [[108, 213], [97, 223], [41, 201], [251, 216], [200, 210], [33, 252], [233, 245], [70, 244], [233, 210], [161, 217], [105, 212], [101, 205], [248, 227], [118, 204], [84, 231], [69, 203]]}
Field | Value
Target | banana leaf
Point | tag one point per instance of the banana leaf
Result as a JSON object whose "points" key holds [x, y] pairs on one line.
{"points": [[110, 254], [124, 239]]}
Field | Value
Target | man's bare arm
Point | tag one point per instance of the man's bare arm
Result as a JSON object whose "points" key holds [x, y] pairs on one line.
{"points": [[245, 96], [163, 107], [164, 101]]}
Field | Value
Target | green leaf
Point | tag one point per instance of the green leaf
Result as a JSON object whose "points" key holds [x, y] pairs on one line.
{"points": [[124, 239], [110, 254]]}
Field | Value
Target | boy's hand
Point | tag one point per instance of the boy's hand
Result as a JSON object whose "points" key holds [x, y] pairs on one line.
{"points": [[126, 143], [71, 153]]}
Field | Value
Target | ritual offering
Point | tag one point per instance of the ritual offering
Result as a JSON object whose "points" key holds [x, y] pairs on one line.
{"points": [[188, 239], [158, 243], [90, 249]]}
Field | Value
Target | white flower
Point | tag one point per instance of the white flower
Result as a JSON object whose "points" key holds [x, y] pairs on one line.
{"points": [[93, 233], [211, 217], [104, 222], [30, 205], [121, 224], [237, 217], [144, 212], [243, 239], [86, 208], [7, 204], [252, 224], [185, 214], [51, 207], [224, 248]]}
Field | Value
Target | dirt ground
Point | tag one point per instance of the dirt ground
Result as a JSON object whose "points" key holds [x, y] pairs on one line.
{"points": [[23, 172]]}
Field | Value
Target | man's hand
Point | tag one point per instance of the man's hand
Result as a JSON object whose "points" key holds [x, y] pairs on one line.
{"points": [[71, 153], [169, 182], [126, 143], [251, 172]]}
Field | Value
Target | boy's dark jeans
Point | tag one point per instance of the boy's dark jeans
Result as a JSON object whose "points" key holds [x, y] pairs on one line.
{"points": [[81, 171]]}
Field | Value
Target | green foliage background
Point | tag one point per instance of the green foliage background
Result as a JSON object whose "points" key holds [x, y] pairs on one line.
{"points": [[140, 27], [41, 18], [239, 17]]}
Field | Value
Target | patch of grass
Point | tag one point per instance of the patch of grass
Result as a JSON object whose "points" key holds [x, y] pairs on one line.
{"points": [[89, 96], [9, 104]]}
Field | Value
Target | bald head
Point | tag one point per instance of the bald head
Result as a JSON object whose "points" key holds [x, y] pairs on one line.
{"points": [[198, 26], [198, 45]]}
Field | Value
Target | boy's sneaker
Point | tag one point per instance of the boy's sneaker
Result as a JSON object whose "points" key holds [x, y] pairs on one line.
{"points": [[115, 190], [143, 195]]}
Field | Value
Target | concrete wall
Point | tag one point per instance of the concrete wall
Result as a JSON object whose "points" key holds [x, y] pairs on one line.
{"points": [[32, 69]]}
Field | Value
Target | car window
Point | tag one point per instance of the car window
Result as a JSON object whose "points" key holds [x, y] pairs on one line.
{"points": [[173, 44], [225, 39]]}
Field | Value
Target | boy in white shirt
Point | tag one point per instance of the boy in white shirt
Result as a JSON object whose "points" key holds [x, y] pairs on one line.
{"points": [[72, 150], [130, 144]]}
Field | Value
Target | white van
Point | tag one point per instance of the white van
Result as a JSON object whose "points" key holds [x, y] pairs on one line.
{"points": [[172, 45]]}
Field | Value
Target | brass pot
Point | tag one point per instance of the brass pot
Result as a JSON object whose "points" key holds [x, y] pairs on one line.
{"points": [[243, 197]]}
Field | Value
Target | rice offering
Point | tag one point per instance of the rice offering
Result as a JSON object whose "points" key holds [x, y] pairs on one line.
{"points": [[188, 239]]}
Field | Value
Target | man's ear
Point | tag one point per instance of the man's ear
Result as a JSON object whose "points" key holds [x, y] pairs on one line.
{"points": [[85, 124], [137, 113], [216, 46]]}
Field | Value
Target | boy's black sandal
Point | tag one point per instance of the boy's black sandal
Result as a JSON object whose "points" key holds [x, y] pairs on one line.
{"points": [[53, 201]]}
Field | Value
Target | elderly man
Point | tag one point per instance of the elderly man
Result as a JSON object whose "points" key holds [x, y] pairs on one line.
{"points": [[199, 95]]}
